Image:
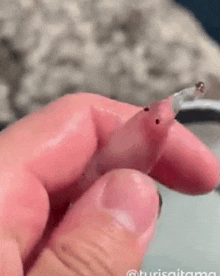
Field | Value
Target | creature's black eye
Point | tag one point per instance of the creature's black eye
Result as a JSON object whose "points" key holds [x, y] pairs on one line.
{"points": [[146, 108], [157, 121]]}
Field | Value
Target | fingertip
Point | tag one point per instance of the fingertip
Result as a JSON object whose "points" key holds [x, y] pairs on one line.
{"points": [[186, 164]]}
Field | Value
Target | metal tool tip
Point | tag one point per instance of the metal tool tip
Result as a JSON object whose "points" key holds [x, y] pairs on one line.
{"points": [[200, 86]]}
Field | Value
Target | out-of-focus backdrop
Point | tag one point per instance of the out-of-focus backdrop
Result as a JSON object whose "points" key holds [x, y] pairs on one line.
{"points": [[207, 12], [133, 51]]}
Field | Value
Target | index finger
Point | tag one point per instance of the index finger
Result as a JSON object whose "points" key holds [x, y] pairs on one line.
{"points": [[56, 142]]}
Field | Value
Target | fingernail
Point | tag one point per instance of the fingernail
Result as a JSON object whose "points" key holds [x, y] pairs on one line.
{"points": [[132, 200]]}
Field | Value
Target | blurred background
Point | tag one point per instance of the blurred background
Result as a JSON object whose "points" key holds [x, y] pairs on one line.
{"points": [[133, 51], [136, 51], [207, 12]]}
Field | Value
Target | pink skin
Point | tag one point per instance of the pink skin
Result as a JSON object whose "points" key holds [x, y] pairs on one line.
{"points": [[188, 162], [47, 152], [168, 138], [137, 144], [146, 130]]}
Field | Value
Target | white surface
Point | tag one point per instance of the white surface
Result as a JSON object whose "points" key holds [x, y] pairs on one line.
{"points": [[188, 234], [202, 103]]}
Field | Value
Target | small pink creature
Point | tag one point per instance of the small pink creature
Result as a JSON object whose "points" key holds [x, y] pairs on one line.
{"points": [[156, 129]]}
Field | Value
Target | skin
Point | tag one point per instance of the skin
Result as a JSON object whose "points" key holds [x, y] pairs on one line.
{"points": [[109, 228]]}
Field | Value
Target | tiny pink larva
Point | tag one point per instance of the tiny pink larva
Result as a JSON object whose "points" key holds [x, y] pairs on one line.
{"points": [[139, 143]]}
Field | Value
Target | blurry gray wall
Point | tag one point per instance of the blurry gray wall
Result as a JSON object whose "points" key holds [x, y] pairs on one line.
{"points": [[133, 51]]}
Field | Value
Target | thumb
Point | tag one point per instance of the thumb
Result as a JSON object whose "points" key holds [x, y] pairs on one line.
{"points": [[107, 231]]}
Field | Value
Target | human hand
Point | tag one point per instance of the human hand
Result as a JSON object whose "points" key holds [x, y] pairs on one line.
{"points": [[108, 230]]}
